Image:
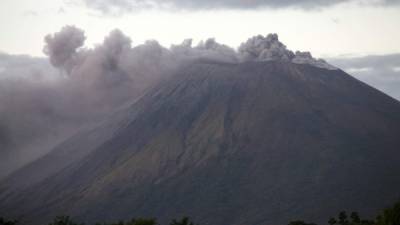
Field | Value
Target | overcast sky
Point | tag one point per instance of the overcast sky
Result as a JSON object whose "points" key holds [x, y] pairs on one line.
{"points": [[327, 28], [359, 36]]}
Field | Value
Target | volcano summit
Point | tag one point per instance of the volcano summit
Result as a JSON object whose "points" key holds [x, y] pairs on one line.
{"points": [[257, 136]]}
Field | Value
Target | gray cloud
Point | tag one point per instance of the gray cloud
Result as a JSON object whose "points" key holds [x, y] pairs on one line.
{"points": [[265, 48], [33, 109], [62, 47], [209, 49], [120, 6], [379, 71], [40, 106]]}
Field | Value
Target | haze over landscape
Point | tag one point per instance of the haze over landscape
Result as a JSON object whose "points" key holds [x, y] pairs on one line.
{"points": [[228, 111]]}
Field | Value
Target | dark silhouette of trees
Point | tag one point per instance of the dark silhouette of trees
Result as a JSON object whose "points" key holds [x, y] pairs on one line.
{"points": [[4, 221], [389, 216], [143, 221], [134, 221], [355, 218], [64, 220], [343, 218], [300, 222], [332, 221], [183, 221]]}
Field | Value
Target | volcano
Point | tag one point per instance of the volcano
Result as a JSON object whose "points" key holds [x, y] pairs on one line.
{"points": [[224, 143]]}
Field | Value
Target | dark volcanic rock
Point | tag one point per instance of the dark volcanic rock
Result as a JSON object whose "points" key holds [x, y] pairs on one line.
{"points": [[251, 143]]}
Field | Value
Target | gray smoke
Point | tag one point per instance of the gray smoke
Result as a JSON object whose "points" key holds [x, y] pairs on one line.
{"points": [[115, 43], [33, 109], [41, 107], [205, 50], [266, 48], [262, 48], [62, 47]]}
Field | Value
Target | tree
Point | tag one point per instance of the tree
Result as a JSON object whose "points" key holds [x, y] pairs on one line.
{"points": [[332, 221], [300, 222], [183, 221], [343, 218], [64, 220], [143, 221], [4, 221], [389, 216], [355, 218]]}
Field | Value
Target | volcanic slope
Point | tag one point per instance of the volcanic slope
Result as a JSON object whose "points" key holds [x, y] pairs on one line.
{"points": [[250, 143]]}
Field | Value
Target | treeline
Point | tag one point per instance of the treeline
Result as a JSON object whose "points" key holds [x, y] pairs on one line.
{"points": [[389, 216], [66, 220]]}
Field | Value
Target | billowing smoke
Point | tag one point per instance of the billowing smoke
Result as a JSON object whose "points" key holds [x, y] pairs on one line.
{"points": [[39, 107], [306, 58], [205, 50], [260, 48], [35, 111], [62, 47]]}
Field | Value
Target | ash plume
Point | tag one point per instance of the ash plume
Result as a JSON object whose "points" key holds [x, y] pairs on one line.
{"points": [[62, 46], [266, 48], [41, 107], [260, 48]]}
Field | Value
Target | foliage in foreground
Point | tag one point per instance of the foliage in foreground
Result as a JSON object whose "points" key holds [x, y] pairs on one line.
{"points": [[7, 222], [66, 220], [389, 216]]}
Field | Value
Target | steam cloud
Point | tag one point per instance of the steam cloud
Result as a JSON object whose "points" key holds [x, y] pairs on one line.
{"points": [[40, 107]]}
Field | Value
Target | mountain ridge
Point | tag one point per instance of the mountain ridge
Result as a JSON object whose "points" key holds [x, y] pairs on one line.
{"points": [[218, 141]]}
